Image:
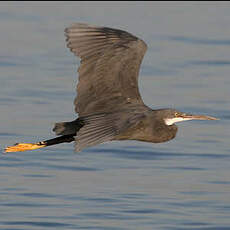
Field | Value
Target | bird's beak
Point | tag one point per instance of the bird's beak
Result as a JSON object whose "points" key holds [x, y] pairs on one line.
{"points": [[197, 117], [187, 117]]}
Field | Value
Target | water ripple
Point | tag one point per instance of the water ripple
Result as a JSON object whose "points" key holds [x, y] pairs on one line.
{"points": [[37, 224], [199, 41]]}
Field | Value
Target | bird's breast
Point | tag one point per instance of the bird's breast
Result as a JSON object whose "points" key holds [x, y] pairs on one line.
{"points": [[163, 133]]}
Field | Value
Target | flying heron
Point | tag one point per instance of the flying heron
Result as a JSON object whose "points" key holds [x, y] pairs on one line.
{"points": [[108, 100]]}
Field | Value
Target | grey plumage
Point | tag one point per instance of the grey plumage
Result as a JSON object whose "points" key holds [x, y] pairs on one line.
{"points": [[108, 79], [108, 100], [110, 63]]}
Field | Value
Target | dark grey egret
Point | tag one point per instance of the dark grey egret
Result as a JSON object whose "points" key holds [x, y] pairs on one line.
{"points": [[108, 100]]}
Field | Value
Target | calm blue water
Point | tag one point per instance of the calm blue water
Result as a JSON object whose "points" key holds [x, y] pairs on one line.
{"points": [[180, 185]]}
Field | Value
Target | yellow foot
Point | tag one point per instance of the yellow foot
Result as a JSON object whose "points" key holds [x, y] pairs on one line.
{"points": [[20, 147]]}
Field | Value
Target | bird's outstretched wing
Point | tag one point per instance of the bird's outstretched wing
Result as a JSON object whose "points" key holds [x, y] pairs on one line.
{"points": [[110, 63]]}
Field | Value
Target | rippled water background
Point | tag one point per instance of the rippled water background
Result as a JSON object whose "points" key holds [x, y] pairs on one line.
{"points": [[180, 185]]}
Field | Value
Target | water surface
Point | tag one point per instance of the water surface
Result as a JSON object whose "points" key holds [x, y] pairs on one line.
{"points": [[179, 185]]}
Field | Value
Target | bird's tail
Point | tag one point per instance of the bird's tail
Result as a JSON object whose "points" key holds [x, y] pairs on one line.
{"points": [[67, 128]]}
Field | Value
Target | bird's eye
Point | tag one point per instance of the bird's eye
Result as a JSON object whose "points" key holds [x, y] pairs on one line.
{"points": [[176, 114]]}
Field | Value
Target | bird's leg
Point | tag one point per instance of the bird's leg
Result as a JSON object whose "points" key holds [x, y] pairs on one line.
{"points": [[20, 147]]}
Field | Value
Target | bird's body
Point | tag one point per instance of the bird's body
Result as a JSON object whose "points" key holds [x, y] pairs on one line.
{"points": [[108, 100], [149, 131]]}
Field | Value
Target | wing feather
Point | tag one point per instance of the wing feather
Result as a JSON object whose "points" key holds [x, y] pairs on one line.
{"points": [[100, 128], [97, 129], [110, 62]]}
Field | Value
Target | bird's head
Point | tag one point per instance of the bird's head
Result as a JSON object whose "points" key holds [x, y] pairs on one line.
{"points": [[171, 116]]}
